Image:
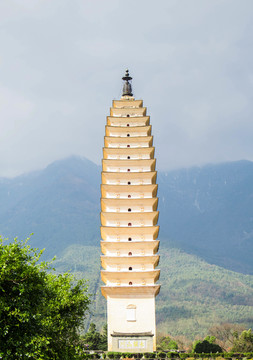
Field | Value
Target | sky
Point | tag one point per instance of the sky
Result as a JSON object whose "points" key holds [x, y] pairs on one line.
{"points": [[61, 64]]}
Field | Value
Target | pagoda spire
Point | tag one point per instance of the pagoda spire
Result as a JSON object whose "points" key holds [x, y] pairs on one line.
{"points": [[127, 87]]}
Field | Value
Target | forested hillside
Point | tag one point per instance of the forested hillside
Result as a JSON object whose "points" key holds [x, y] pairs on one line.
{"points": [[194, 294]]}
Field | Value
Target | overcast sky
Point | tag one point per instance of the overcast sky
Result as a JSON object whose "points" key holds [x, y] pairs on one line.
{"points": [[61, 64]]}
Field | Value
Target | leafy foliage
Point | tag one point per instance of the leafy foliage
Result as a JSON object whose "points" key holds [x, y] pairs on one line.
{"points": [[40, 312], [206, 346], [166, 343], [225, 334], [93, 340], [243, 342]]}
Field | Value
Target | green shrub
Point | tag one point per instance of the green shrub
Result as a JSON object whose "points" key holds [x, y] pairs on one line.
{"points": [[110, 354], [172, 355], [161, 355], [127, 355], [183, 355], [150, 355]]}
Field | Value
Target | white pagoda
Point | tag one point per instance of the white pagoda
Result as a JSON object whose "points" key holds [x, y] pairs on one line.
{"points": [[129, 227]]}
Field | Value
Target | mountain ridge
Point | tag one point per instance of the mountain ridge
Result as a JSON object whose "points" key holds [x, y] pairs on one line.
{"points": [[205, 210]]}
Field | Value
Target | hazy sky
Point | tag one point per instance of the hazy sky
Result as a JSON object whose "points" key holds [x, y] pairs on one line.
{"points": [[61, 64]]}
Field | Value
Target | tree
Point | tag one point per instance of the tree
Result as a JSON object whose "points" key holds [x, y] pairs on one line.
{"points": [[206, 346], [40, 312], [94, 340], [166, 343], [244, 342], [224, 334]]}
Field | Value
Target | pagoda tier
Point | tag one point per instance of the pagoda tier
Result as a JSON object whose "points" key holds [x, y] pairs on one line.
{"points": [[122, 205], [129, 228], [140, 290], [127, 248], [122, 234], [128, 142], [137, 262], [146, 178], [126, 154], [127, 121]]}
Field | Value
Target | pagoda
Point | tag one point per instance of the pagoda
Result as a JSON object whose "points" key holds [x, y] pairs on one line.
{"points": [[129, 227]]}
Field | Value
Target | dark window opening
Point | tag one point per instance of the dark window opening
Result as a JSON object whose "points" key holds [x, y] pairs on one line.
{"points": [[129, 239], [128, 157], [128, 169], [129, 209], [127, 124], [130, 283], [129, 196], [128, 134], [128, 115], [129, 183], [128, 145], [130, 253], [129, 224], [130, 268]]}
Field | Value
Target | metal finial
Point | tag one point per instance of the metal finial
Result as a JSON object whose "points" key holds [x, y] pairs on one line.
{"points": [[127, 88]]}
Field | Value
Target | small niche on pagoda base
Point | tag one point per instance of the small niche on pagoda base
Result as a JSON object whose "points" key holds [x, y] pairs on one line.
{"points": [[131, 313]]}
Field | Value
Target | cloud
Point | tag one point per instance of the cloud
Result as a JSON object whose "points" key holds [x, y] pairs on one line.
{"points": [[61, 64]]}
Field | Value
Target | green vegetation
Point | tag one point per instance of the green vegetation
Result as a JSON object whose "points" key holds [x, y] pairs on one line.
{"points": [[206, 346], [243, 342], [166, 343], [194, 295], [40, 312], [94, 340]]}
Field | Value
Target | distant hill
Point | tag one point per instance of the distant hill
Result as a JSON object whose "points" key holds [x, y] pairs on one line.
{"points": [[207, 211]]}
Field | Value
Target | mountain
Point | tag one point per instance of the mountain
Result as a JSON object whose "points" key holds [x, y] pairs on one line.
{"points": [[60, 205], [206, 211]]}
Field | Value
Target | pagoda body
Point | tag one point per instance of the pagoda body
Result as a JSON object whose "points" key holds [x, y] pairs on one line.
{"points": [[129, 228]]}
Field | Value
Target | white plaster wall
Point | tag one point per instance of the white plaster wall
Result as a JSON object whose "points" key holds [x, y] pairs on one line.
{"points": [[124, 209], [146, 237], [132, 168], [144, 195], [117, 314], [124, 267], [124, 252], [132, 157], [119, 144], [124, 223]]}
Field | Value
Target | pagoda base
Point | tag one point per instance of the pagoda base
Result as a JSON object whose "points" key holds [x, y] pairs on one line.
{"points": [[133, 343]]}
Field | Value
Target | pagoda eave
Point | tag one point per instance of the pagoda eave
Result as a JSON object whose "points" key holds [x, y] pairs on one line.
{"points": [[124, 260], [141, 233], [129, 291], [127, 245]]}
